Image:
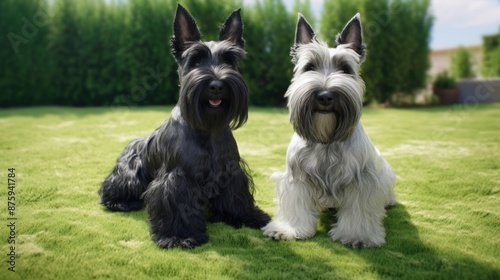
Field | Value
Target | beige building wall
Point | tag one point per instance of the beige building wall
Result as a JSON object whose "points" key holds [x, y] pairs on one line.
{"points": [[441, 59]]}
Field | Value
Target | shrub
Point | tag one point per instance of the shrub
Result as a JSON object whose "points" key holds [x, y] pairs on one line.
{"points": [[444, 80]]}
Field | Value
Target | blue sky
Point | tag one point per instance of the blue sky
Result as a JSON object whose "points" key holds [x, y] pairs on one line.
{"points": [[457, 22], [463, 22]]}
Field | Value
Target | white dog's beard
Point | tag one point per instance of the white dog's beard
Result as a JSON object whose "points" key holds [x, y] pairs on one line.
{"points": [[324, 126]]}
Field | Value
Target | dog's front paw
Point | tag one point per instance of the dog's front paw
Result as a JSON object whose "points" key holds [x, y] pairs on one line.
{"points": [[257, 219], [186, 243], [357, 241], [281, 231], [124, 206]]}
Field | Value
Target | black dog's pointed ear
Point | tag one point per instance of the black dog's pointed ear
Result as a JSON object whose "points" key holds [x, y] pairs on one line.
{"points": [[185, 30], [304, 34], [352, 35], [232, 30]]}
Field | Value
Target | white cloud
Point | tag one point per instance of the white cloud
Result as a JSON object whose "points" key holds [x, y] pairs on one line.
{"points": [[466, 13]]}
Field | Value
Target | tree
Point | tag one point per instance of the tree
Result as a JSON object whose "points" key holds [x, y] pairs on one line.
{"points": [[211, 14], [146, 55], [396, 34], [491, 55], [418, 59], [461, 64], [303, 7], [336, 13], [269, 36], [380, 65], [110, 78], [102, 52], [26, 71], [65, 44]]}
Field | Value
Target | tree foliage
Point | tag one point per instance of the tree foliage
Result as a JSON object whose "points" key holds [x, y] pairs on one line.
{"points": [[396, 34], [491, 56], [461, 64], [269, 36], [26, 71], [336, 13], [303, 7], [117, 53]]}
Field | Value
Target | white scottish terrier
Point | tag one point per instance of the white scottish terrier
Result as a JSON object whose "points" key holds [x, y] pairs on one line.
{"points": [[331, 162]]}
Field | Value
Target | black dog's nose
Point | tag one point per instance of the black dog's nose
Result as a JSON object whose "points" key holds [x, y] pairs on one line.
{"points": [[324, 97], [216, 87]]}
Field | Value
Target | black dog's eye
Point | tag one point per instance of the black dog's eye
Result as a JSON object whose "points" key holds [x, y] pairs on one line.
{"points": [[195, 61], [309, 67], [228, 59]]}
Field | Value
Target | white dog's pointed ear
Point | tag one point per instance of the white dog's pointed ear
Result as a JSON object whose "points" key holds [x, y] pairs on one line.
{"points": [[304, 34], [232, 30], [185, 30], [352, 35]]}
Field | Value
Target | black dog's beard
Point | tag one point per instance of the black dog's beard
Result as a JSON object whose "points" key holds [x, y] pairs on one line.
{"points": [[202, 110]]}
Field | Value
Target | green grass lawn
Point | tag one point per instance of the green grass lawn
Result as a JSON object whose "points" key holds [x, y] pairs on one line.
{"points": [[445, 226]]}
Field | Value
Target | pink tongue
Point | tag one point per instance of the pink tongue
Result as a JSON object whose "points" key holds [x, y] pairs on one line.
{"points": [[215, 102]]}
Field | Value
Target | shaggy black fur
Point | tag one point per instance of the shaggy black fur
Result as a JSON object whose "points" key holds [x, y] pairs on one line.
{"points": [[192, 161]]}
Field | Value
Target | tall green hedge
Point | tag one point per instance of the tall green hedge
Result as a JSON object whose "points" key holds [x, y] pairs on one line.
{"points": [[117, 53], [269, 35], [27, 65], [490, 66], [396, 34]]}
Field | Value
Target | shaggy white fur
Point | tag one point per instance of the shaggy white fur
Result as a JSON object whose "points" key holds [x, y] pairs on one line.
{"points": [[331, 162]]}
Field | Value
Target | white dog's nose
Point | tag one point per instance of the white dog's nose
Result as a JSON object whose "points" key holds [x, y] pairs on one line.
{"points": [[324, 97]]}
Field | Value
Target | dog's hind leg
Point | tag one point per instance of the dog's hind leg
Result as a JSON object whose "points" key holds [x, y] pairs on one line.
{"points": [[174, 207], [122, 189]]}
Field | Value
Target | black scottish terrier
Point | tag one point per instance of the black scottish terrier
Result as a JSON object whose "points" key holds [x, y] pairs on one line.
{"points": [[192, 161]]}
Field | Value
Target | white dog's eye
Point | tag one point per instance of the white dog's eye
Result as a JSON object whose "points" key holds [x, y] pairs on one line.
{"points": [[309, 67], [345, 69]]}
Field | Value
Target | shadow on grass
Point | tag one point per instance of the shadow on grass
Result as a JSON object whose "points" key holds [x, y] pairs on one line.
{"points": [[263, 258], [405, 256], [257, 257]]}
